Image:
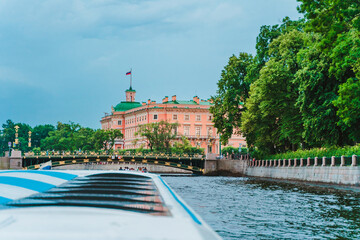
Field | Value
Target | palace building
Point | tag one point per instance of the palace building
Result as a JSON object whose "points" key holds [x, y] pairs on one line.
{"points": [[193, 116]]}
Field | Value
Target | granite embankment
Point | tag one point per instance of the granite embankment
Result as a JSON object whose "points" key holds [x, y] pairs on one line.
{"points": [[334, 170]]}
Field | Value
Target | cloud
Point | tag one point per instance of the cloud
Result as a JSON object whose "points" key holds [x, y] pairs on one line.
{"points": [[74, 53], [11, 75], [98, 19]]}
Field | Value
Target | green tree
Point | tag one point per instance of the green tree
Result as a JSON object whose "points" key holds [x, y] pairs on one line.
{"points": [[85, 139], [345, 68], [330, 62], [105, 139], [40, 132], [100, 140], [63, 139], [234, 85], [317, 92], [232, 92], [159, 135], [348, 104], [272, 121], [8, 134], [113, 134], [330, 18], [183, 147]]}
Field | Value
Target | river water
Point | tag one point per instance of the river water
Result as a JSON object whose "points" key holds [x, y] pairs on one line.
{"points": [[244, 208]]}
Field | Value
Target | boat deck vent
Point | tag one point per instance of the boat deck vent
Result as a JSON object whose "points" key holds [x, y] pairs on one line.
{"points": [[107, 190]]}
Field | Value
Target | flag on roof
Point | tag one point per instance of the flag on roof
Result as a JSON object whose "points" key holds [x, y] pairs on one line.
{"points": [[128, 73]]}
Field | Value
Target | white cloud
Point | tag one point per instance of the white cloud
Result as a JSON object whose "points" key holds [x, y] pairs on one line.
{"points": [[98, 18], [11, 75], [77, 51]]}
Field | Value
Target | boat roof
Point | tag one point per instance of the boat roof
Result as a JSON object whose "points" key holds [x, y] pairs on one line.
{"points": [[48, 204]]}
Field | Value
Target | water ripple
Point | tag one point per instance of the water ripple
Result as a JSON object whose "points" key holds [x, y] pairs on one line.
{"points": [[243, 208]]}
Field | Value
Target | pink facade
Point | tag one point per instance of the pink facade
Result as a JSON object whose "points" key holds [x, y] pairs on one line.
{"points": [[194, 118]]}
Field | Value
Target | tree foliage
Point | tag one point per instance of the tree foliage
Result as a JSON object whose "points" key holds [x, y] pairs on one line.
{"points": [[8, 135], [232, 92], [65, 137], [159, 135], [304, 82], [184, 146]]}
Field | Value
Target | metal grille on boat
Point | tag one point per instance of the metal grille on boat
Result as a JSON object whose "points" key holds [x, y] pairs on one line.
{"points": [[109, 190]]}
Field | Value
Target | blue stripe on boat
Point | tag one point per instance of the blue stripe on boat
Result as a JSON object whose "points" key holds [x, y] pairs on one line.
{"points": [[4, 200], [65, 176], [26, 183], [192, 215]]}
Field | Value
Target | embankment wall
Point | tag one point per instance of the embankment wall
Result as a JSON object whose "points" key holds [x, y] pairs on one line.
{"points": [[340, 170], [336, 175], [4, 162]]}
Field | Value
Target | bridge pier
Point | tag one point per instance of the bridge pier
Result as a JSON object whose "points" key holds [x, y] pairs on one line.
{"points": [[214, 166], [11, 162]]}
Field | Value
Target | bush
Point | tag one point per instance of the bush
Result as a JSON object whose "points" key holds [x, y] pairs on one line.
{"points": [[318, 152], [231, 150], [37, 150]]}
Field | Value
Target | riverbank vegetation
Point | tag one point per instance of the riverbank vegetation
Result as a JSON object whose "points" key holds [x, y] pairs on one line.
{"points": [[64, 137], [301, 90], [161, 137], [318, 152], [72, 137]]}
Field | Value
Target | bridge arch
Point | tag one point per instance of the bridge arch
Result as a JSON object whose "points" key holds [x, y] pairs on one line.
{"points": [[196, 165]]}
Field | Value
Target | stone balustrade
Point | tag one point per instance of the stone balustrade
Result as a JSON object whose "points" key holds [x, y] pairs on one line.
{"points": [[333, 161]]}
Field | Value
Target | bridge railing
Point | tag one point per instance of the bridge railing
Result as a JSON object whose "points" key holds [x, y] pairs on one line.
{"points": [[237, 156], [115, 153]]}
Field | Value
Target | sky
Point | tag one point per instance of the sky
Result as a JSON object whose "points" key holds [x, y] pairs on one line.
{"points": [[66, 60]]}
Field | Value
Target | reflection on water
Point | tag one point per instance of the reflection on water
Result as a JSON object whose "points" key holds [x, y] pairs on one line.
{"points": [[243, 208]]}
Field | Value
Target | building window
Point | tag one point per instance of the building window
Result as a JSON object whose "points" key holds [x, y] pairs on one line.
{"points": [[198, 117], [209, 131], [187, 117], [210, 117], [186, 130], [155, 116], [197, 131], [119, 122], [174, 116], [175, 131]]}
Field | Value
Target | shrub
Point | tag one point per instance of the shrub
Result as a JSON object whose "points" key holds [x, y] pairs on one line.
{"points": [[317, 152]]}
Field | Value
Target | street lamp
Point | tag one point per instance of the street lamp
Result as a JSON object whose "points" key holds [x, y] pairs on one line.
{"points": [[16, 135], [29, 139]]}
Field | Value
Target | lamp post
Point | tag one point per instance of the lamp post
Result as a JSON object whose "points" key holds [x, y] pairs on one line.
{"points": [[29, 139], [16, 135], [220, 145]]}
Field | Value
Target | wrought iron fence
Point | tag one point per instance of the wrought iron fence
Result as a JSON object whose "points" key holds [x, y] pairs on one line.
{"points": [[114, 153]]}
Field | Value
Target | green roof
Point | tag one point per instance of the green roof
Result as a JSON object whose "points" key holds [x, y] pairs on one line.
{"points": [[124, 106]]}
